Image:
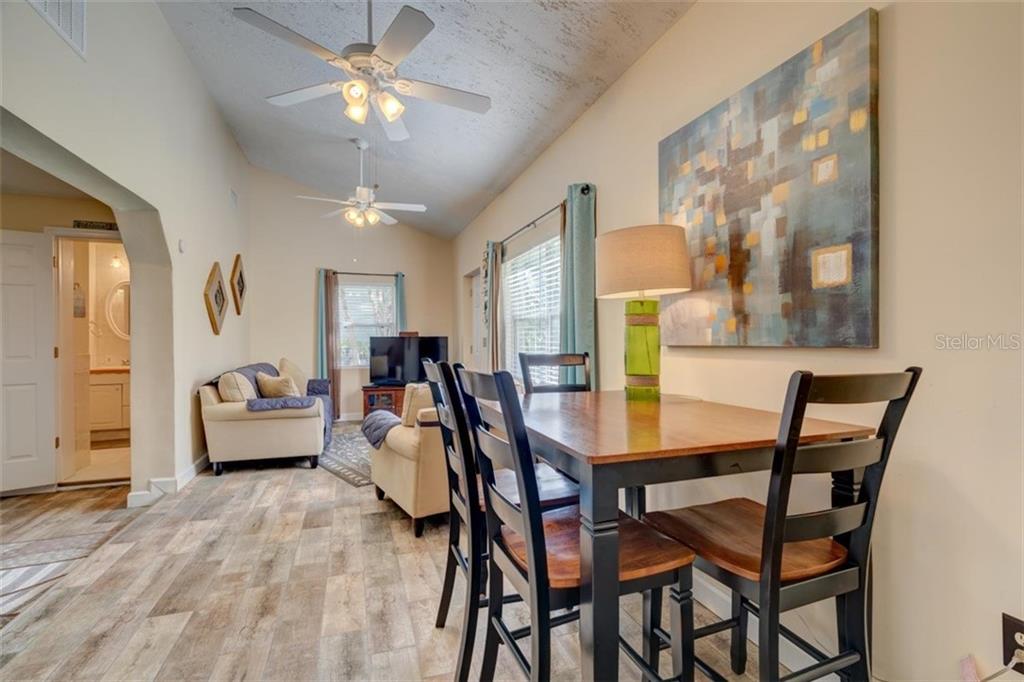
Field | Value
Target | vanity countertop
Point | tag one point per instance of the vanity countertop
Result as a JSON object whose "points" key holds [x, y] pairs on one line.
{"points": [[109, 370]]}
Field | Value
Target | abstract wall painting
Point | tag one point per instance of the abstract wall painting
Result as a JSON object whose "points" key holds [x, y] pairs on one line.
{"points": [[777, 188]]}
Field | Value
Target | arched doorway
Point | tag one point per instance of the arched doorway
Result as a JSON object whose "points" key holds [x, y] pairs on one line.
{"points": [[152, 348]]}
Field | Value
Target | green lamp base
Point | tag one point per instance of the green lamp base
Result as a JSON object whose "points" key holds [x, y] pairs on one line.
{"points": [[643, 350]]}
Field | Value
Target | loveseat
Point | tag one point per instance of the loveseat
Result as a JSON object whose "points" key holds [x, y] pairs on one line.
{"points": [[243, 425]]}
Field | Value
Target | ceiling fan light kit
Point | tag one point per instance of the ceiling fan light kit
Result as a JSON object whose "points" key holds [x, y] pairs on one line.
{"points": [[372, 70], [363, 209]]}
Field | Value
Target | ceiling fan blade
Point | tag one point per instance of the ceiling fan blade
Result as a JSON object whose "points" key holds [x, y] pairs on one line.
{"points": [[385, 218], [333, 213], [264, 23], [395, 130], [418, 208], [330, 201], [286, 99], [453, 97], [405, 33]]}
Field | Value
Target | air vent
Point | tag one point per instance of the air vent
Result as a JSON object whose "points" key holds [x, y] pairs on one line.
{"points": [[67, 17]]}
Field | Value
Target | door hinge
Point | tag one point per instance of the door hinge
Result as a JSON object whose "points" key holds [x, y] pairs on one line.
{"points": [[56, 352], [56, 443], [54, 261]]}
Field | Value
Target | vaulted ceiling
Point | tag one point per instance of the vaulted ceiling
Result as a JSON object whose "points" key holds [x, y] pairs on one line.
{"points": [[542, 64]]}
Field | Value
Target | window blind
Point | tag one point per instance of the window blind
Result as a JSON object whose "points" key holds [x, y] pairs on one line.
{"points": [[363, 309], [530, 292]]}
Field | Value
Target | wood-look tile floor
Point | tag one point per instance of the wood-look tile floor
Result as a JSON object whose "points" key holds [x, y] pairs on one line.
{"points": [[43, 537], [273, 574]]}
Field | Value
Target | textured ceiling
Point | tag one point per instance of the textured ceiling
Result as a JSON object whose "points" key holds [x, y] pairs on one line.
{"points": [[542, 64], [18, 176]]}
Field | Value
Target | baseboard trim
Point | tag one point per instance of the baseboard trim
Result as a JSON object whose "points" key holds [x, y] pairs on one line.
{"points": [[719, 602], [188, 474], [158, 487], [350, 417]]}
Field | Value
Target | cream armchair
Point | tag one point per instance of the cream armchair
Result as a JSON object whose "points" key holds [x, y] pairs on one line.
{"points": [[409, 466]]}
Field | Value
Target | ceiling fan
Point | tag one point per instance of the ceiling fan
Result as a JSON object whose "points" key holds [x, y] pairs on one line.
{"points": [[371, 70], [364, 209]]}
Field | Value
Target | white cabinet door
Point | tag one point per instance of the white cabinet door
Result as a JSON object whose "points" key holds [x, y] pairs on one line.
{"points": [[104, 406], [27, 407]]}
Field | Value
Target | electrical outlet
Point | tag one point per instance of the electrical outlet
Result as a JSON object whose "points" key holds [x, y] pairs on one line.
{"points": [[1013, 639]]}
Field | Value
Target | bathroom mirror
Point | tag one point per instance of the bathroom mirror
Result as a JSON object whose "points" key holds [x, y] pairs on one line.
{"points": [[119, 309]]}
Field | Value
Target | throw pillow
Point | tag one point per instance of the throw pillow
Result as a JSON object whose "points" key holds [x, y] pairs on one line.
{"points": [[235, 388], [417, 397], [276, 387], [290, 369]]}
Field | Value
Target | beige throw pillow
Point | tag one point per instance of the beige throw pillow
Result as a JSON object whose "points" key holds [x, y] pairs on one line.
{"points": [[235, 388], [290, 369], [276, 387]]}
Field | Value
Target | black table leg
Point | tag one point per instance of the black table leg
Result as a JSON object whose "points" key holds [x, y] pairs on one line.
{"points": [[599, 570], [636, 501]]}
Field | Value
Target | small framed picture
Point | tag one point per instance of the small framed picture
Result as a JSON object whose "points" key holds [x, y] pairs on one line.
{"points": [[238, 284], [216, 297]]}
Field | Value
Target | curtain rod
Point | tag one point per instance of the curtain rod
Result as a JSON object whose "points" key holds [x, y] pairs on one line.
{"points": [[366, 274], [532, 223]]}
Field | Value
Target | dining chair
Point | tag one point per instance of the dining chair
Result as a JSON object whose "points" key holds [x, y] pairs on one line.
{"points": [[538, 551], [466, 507], [774, 561], [527, 361]]}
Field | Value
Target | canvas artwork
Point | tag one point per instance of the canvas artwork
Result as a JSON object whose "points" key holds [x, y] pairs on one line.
{"points": [[777, 188]]}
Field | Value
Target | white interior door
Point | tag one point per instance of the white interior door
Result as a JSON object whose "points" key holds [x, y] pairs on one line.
{"points": [[27, 401]]}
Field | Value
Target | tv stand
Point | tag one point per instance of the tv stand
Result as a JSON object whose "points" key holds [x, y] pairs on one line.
{"points": [[388, 398]]}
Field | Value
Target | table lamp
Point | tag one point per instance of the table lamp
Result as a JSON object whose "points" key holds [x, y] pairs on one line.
{"points": [[641, 264]]}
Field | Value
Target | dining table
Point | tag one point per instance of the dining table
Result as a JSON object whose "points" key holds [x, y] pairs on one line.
{"points": [[609, 443]]}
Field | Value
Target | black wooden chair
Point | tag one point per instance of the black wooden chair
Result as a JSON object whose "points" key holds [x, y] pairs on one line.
{"points": [[538, 551], [527, 361], [774, 562], [467, 511]]}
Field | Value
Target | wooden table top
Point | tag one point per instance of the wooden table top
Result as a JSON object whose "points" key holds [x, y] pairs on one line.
{"points": [[602, 427]]}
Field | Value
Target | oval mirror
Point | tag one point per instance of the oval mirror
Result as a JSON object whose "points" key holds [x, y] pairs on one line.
{"points": [[119, 309]]}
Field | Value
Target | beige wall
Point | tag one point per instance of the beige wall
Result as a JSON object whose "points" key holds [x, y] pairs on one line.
{"points": [[948, 547], [33, 213], [290, 239], [136, 110]]}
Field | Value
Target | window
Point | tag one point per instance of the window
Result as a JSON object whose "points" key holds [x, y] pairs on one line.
{"points": [[530, 303], [363, 310]]}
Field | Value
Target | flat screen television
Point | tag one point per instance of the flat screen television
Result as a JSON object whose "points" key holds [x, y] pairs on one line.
{"points": [[398, 360]]}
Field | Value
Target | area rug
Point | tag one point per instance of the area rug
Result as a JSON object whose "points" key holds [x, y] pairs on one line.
{"points": [[348, 455]]}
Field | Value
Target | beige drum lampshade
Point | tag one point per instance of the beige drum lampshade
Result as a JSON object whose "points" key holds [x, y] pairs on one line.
{"points": [[646, 260]]}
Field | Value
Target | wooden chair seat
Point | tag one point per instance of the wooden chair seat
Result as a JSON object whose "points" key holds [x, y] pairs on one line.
{"points": [[643, 552], [729, 534], [555, 489]]}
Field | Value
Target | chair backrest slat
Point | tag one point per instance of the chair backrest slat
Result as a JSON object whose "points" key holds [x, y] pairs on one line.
{"points": [[527, 361], [825, 523], [510, 514], [496, 449], [849, 389], [826, 458], [849, 524]]}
